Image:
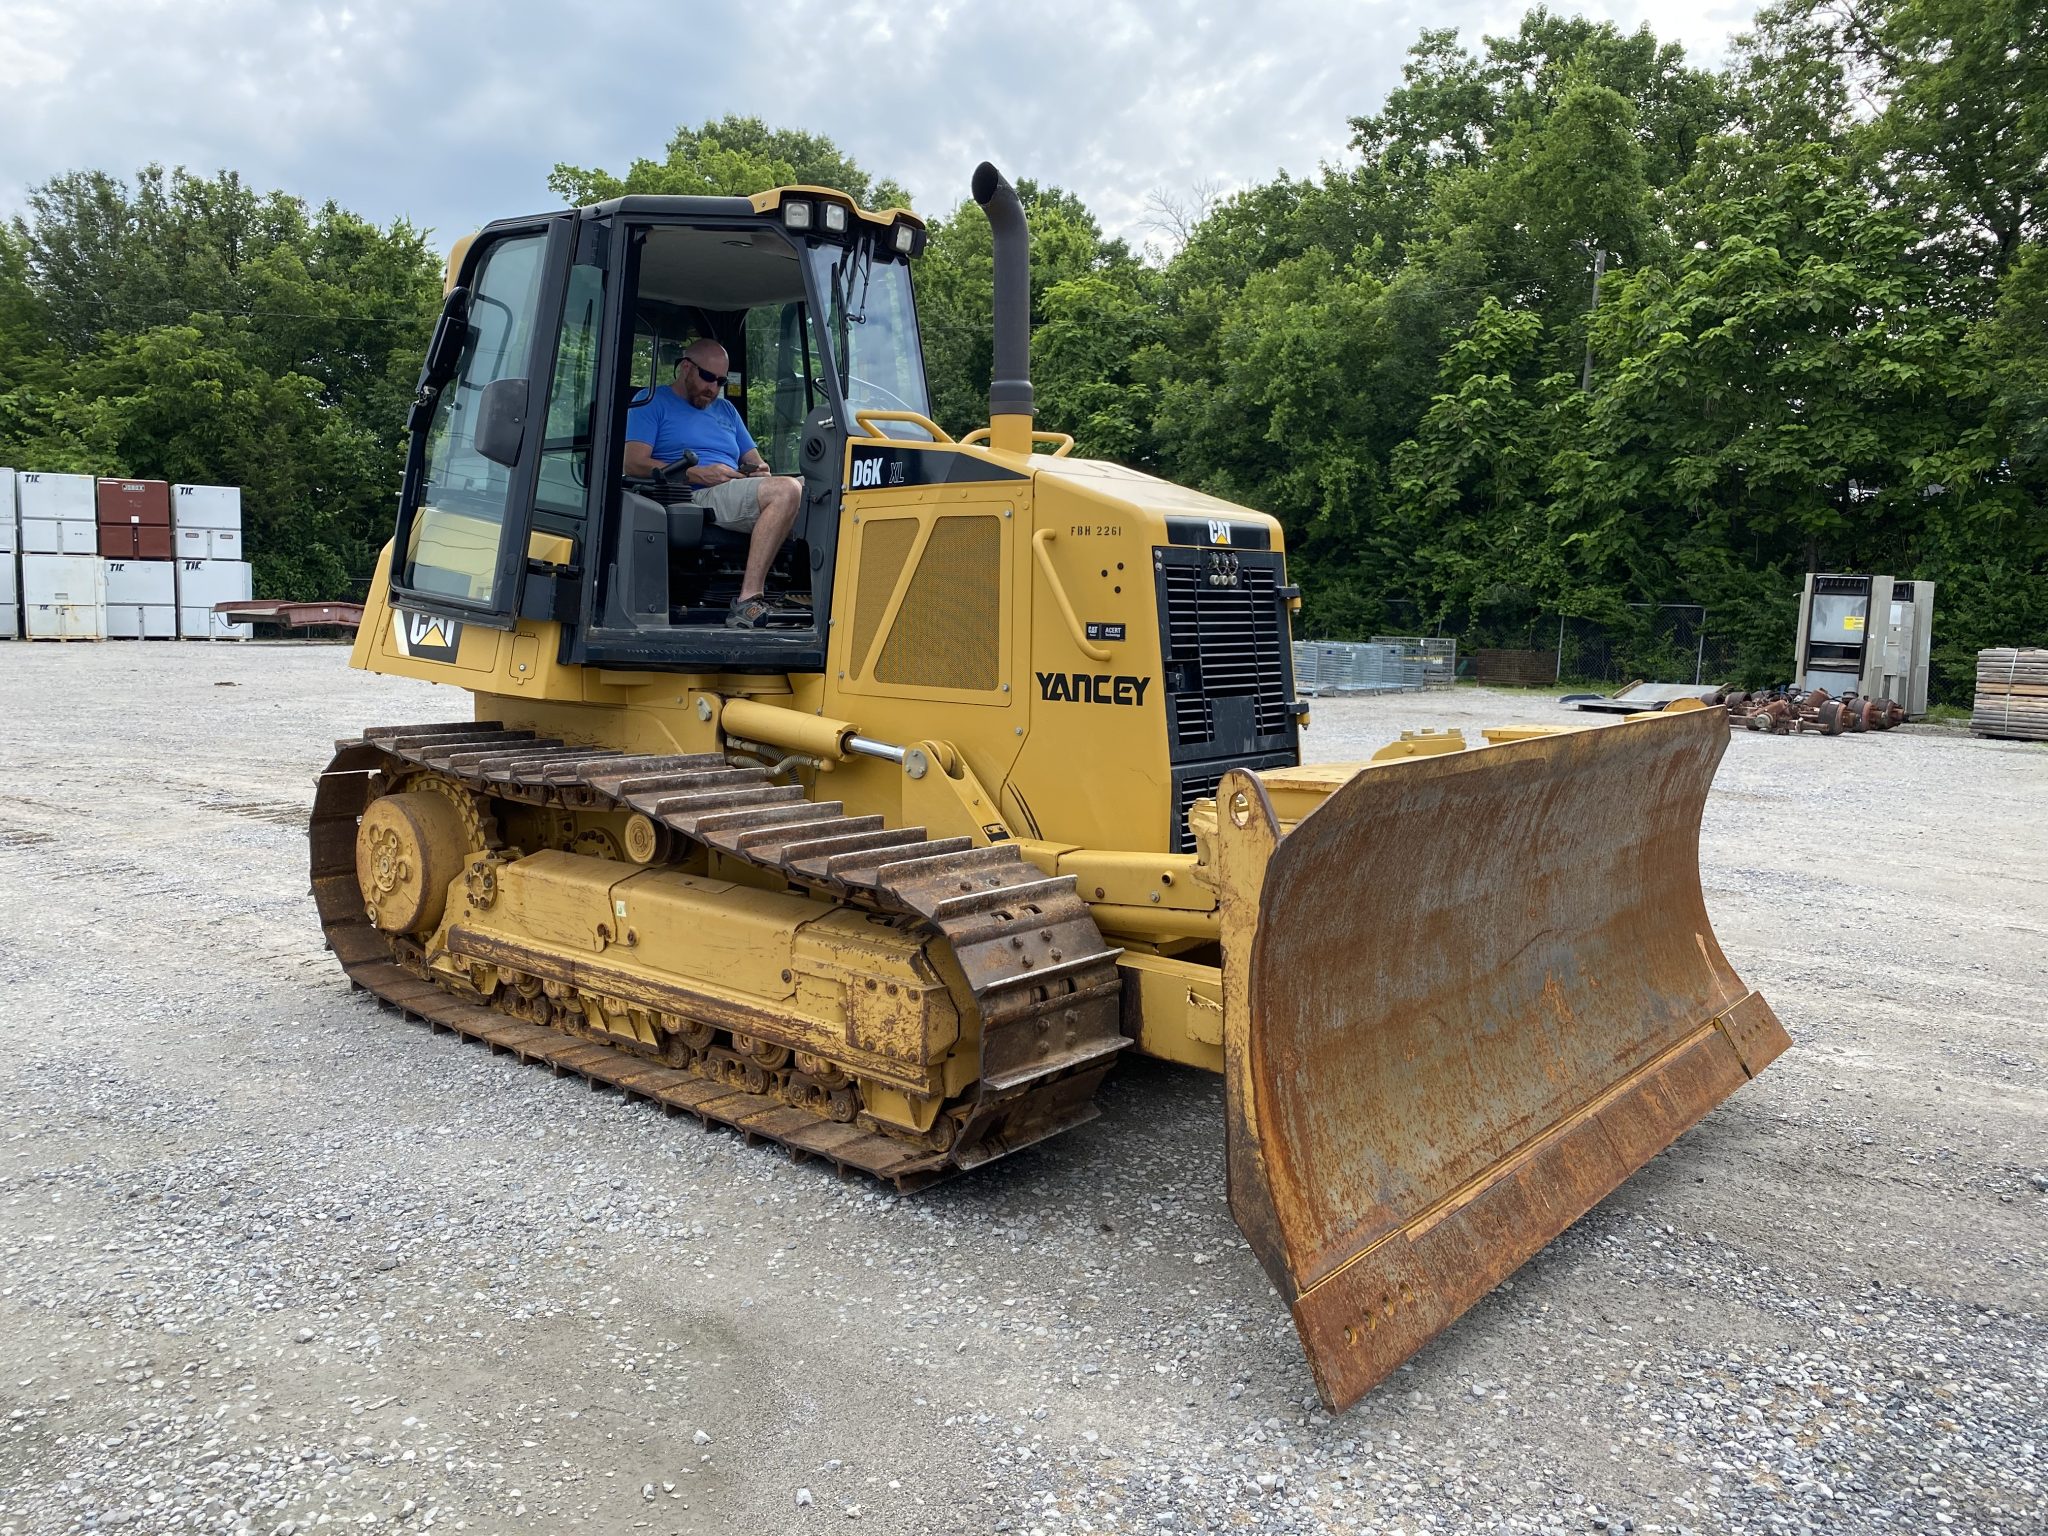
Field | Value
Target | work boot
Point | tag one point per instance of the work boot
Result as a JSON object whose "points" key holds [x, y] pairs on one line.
{"points": [[762, 612]]}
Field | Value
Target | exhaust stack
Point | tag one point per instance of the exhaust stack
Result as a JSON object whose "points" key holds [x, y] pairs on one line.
{"points": [[1009, 391]]}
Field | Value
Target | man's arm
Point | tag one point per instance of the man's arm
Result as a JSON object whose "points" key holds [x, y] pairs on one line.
{"points": [[752, 463], [640, 459]]}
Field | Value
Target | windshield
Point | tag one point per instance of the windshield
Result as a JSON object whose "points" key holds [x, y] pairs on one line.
{"points": [[873, 329]]}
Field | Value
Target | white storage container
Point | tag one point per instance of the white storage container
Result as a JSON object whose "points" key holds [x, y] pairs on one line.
{"points": [[207, 543], [56, 498], [10, 622], [45, 536], [10, 583], [142, 621], [64, 597], [10, 516], [206, 506], [201, 584], [145, 583], [205, 624], [10, 601]]}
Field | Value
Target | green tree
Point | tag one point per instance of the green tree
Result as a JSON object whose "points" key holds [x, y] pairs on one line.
{"points": [[732, 157], [190, 328], [955, 282]]}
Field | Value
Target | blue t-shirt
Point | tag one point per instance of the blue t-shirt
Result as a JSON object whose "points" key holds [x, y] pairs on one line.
{"points": [[668, 424]]}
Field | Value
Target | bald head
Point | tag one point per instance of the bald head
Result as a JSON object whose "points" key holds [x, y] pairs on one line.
{"points": [[700, 372]]}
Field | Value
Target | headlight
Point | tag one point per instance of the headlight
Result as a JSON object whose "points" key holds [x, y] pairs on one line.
{"points": [[835, 218], [796, 215], [905, 238]]}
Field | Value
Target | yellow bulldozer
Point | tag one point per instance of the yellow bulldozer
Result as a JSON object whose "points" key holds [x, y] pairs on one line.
{"points": [[1011, 788]]}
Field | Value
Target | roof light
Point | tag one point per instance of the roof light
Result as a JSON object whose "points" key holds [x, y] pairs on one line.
{"points": [[796, 215], [905, 238], [835, 218]]}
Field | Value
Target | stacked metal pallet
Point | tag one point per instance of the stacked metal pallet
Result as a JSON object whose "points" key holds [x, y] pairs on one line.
{"points": [[1438, 655], [1326, 669], [2012, 694]]}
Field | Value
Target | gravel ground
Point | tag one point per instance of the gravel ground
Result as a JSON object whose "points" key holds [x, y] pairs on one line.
{"points": [[272, 1260]]}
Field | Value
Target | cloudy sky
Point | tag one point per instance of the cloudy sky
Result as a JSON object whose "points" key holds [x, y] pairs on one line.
{"points": [[450, 114]]}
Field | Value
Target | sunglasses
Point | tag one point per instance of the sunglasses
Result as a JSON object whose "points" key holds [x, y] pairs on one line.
{"points": [[716, 380]]}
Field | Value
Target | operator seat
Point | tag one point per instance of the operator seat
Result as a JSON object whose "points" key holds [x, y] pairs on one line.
{"points": [[691, 526]]}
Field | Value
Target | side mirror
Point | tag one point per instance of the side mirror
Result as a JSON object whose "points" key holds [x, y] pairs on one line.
{"points": [[501, 420]]}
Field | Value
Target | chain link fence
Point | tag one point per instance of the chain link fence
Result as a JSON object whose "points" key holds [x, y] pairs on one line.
{"points": [[1655, 643], [1660, 643]]}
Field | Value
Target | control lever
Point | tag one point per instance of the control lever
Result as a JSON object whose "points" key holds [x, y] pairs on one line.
{"points": [[680, 466]]}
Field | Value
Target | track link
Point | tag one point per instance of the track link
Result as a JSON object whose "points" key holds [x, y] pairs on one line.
{"points": [[1046, 986]]}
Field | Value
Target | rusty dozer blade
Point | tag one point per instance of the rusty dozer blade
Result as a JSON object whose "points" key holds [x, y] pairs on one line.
{"points": [[1465, 996]]}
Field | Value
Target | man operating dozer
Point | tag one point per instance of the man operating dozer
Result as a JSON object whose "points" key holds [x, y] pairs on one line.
{"points": [[730, 478]]}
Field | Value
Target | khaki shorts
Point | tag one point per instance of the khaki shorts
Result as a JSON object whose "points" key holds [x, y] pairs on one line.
{"points": [[733, 503]]}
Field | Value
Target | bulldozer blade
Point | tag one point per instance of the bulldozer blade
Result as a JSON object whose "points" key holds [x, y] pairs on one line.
{"points": [[1465, 996]]}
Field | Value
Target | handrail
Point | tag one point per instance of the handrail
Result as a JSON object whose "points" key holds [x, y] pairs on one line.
{"points": [[862, 416], [1064, 439], [1089, 648]]}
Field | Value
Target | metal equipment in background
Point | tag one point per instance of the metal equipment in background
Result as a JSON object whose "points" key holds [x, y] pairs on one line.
{"points": [[1788, 711], [1437, 653], [1866, 636], [1644, 698], [1330, 669]]}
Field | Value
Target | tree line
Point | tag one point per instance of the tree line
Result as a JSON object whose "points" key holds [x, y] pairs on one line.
{"points": [[1575, 326]]}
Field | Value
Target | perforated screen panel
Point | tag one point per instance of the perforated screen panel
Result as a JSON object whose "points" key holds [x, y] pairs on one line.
{"points": [[884, 546], [948, 632]]}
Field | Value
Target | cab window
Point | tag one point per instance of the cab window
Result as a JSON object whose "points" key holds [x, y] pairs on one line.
{"points": [[453, 541]]}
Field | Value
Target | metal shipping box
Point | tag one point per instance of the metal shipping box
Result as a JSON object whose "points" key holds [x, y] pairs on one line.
{"points": [[206, 506], [44, 536], [201, 584], [142, 621], [10, 583], [135, 541], [64, 597], [135, 501], [205, 624], [152, 583], [10, 518], [209, 543], [58, 498], [10, 622]]}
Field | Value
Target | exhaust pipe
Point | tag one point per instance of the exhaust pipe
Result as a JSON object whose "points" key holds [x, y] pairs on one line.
{"points": [[1009, 391]]}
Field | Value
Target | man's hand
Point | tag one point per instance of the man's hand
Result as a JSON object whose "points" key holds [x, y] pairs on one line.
{"points": [[713, 474]]}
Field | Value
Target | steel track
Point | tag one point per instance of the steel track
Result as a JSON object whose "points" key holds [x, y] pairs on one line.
{"points": [[1045, 985]]}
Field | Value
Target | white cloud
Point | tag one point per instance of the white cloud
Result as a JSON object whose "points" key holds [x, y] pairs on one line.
{"points": [[453, 114]]}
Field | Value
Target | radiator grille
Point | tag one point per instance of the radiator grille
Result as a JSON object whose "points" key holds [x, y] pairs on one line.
{"points": [[1228, 670], [1236, 637], [948, 633], [884, 546], [1190, 788], [1198, 782]]}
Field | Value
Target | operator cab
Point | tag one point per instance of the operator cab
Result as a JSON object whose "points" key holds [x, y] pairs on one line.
{"points": [[516, 502]]}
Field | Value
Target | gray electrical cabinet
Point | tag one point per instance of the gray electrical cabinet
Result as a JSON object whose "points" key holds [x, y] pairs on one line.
{"points": [[1867, 635]]}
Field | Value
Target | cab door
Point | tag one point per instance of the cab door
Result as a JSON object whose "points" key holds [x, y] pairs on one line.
{"points": [[478, 429]]}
